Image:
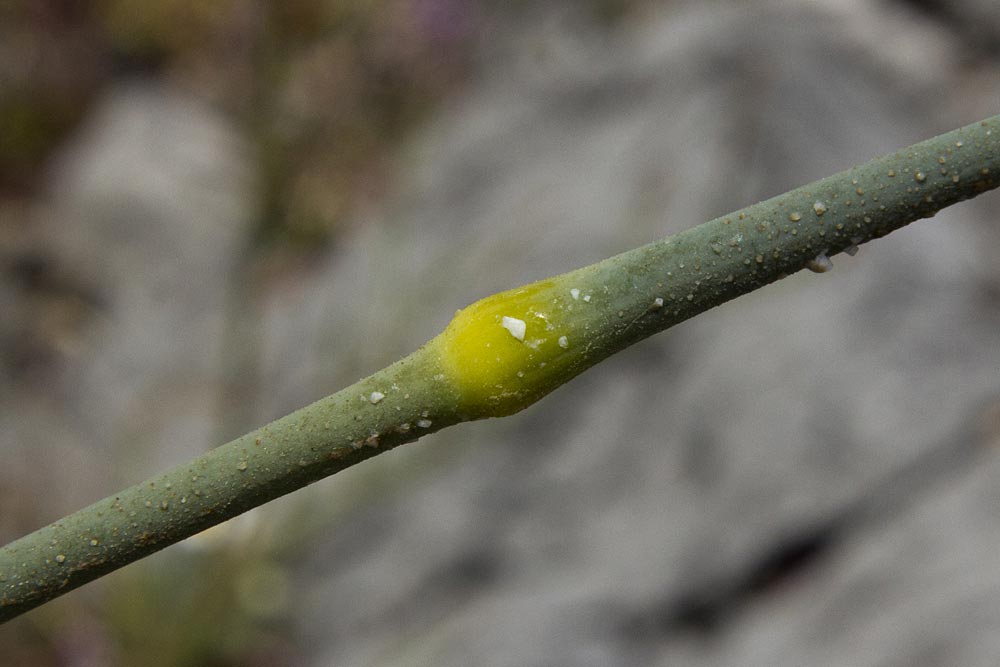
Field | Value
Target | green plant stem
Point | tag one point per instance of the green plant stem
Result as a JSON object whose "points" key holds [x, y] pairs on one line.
{"points": [[572, 321]]}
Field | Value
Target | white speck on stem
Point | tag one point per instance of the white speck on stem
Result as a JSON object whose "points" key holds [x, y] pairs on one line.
{"points": [[852, 249], [515, 326], [424, 423], [376, 397], [658, 303], [575, 293], [586, 297], [563, 342], [821, 264]]}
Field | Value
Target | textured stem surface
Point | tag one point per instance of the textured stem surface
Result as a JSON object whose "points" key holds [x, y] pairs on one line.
{"points": [[505, 352]]}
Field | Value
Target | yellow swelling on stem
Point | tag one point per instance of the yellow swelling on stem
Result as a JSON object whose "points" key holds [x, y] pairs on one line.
{"points": [[506, 351]]}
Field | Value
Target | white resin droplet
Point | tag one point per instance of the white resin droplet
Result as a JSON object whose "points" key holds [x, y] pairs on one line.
{"points": [[821, 264], [515, 326]]}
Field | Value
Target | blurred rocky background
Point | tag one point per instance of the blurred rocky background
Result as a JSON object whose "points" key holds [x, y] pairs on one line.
{"points": [[212, 213]]}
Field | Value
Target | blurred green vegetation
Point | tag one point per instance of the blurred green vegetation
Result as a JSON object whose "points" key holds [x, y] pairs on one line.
{"points": [[323, 89]]}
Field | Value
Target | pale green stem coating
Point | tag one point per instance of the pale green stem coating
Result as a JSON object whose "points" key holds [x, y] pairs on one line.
{"points": [[633, 295], [307, 445], [719, 260]]}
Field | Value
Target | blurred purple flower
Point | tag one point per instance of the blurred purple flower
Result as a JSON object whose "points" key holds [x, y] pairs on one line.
{"points": [[444, 20]]}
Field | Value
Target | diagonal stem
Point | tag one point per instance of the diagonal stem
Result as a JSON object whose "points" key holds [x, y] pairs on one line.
{"points": [[505, 352]]}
